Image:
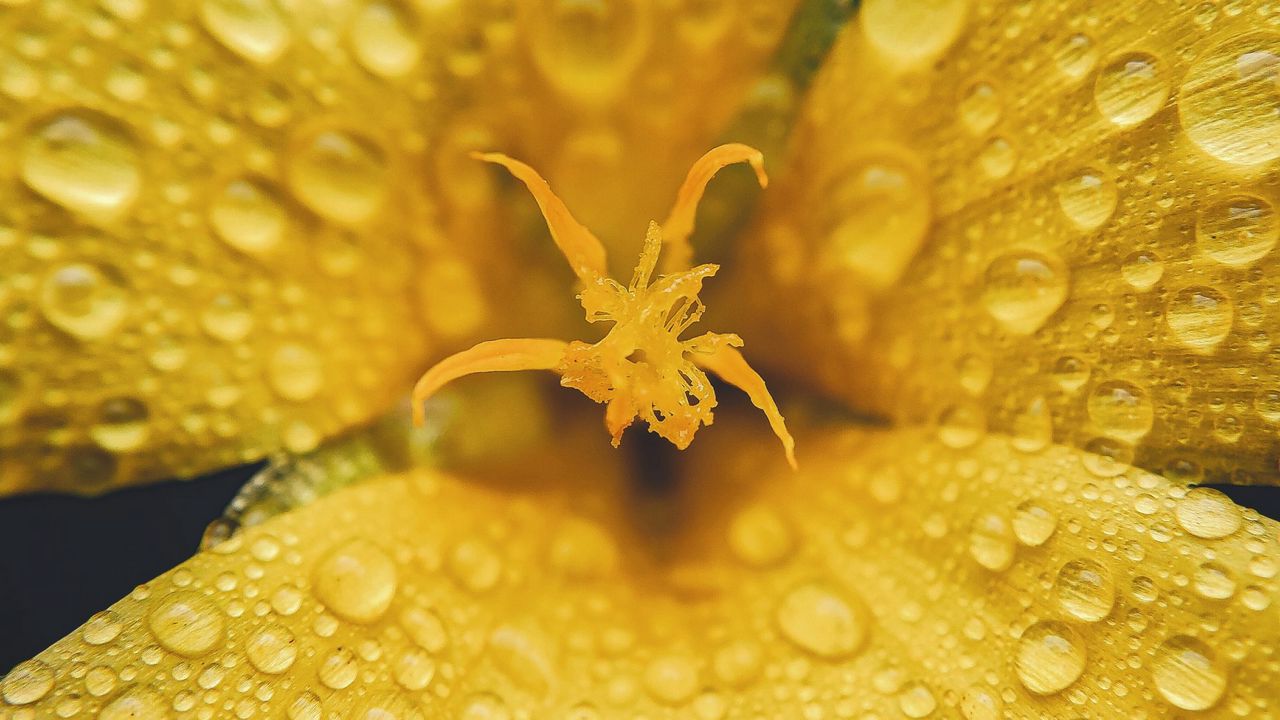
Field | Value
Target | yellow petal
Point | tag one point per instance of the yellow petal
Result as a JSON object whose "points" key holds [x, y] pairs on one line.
{"points": [[230, 229], [1060, 224], [892, 576]]}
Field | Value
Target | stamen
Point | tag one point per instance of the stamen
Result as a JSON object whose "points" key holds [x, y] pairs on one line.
{"points": [[492, 356], [679, 224]]}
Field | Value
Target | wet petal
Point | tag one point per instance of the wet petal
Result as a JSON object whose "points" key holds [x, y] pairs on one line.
{"points": [[893, 575], [1064, 228], [229, 229]]}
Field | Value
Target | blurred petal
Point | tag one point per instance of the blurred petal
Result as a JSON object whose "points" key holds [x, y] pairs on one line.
{"points": [[892, 576], [1052, 220], [228, 228]]}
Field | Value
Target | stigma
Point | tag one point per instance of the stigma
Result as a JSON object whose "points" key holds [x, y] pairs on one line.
{"points": [[642, 368]]}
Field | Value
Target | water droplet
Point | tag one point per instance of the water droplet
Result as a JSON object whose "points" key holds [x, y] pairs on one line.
{"points": [[1213, 581], [589, 50], [186, 623], [1229, 103], [339, 175], [295, 372], [738, 663], [272, 649], [1021, 289], [980, 107], [1077, 56], [305, 707], [979, 703], [997, 158], [26, 683], [961, 425], [915, 31], [384, 38], [523, 657], [1142, 270], [1031, 427], [100, 680], [1050, 657], [1070, 372], [339, 668], [1186, 673], [1237, 229], [1130, 88], [121, 424], [821, 621], [356, 580], [134, 703], [474, 565], [101, 628], [252, 29], [1121, 410], [1033, 525], [1207, 513], [87, 301], [672, 679], [1087, 198], [582, 549], [425, 628], [84, 161], [991, 542], [247, 214], [414, 669], [759, 536], [1199, 317], [1085, 590], [916, 700], [878, 214]]}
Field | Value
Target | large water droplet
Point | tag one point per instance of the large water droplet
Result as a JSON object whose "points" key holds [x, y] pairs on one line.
{"points": [[1237, 229], [588, 50], [1077, 56], [1230, 100], [84, 161], [1085, 590], [356, 580], [1130, 88], [1050, 657], [252, 29], [1142, 270], [1199, 317], [1033, 524], [912, 31], [339, 668], [339, 175], [26, 683], [1087, 198], [87, 301], [1121, 410], [1207, 513], [384, 36], [523, 657], [672, 679], [187, 623], [1214, 581], [822, 621], [1022, 288], [248, 216], [1187, 674], [916, 700]]}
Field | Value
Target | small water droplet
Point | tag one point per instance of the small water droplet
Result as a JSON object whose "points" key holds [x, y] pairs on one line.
{"points": [[122, 424], [991, 542], [384, 36], [1087, 198], [272, 649], [187, 623], [414, 669], [916, 700], [1142, 270], [339, 668], [1213, 581], [1033, 525], [295, 372], [980, 107], [339, 175], [759, 536], [1085, 590], [672, 679], [1121, 409], [87, 301], [247, 214], [356, 580], [474, 565], [1050, 657], [253, 29], [1077, 56], [134, 703]]}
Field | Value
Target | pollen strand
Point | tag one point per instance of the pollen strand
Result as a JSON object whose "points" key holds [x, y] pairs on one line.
{"points": [[679, 224], [729, 364], [583, 250], [491, 356]]}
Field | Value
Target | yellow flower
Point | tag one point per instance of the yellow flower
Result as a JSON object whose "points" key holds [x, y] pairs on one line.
{"points": [[1034, 240]]}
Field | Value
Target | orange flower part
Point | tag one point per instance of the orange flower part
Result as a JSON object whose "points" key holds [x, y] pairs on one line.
{"points": [[641, 368]]}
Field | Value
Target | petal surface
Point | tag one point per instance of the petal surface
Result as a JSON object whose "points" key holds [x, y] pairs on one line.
{"points": [[230, 228], [1056, 222], [892, 576]]}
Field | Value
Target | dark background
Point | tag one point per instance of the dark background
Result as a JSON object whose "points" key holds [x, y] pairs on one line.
{"points": [[64, 558]]}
